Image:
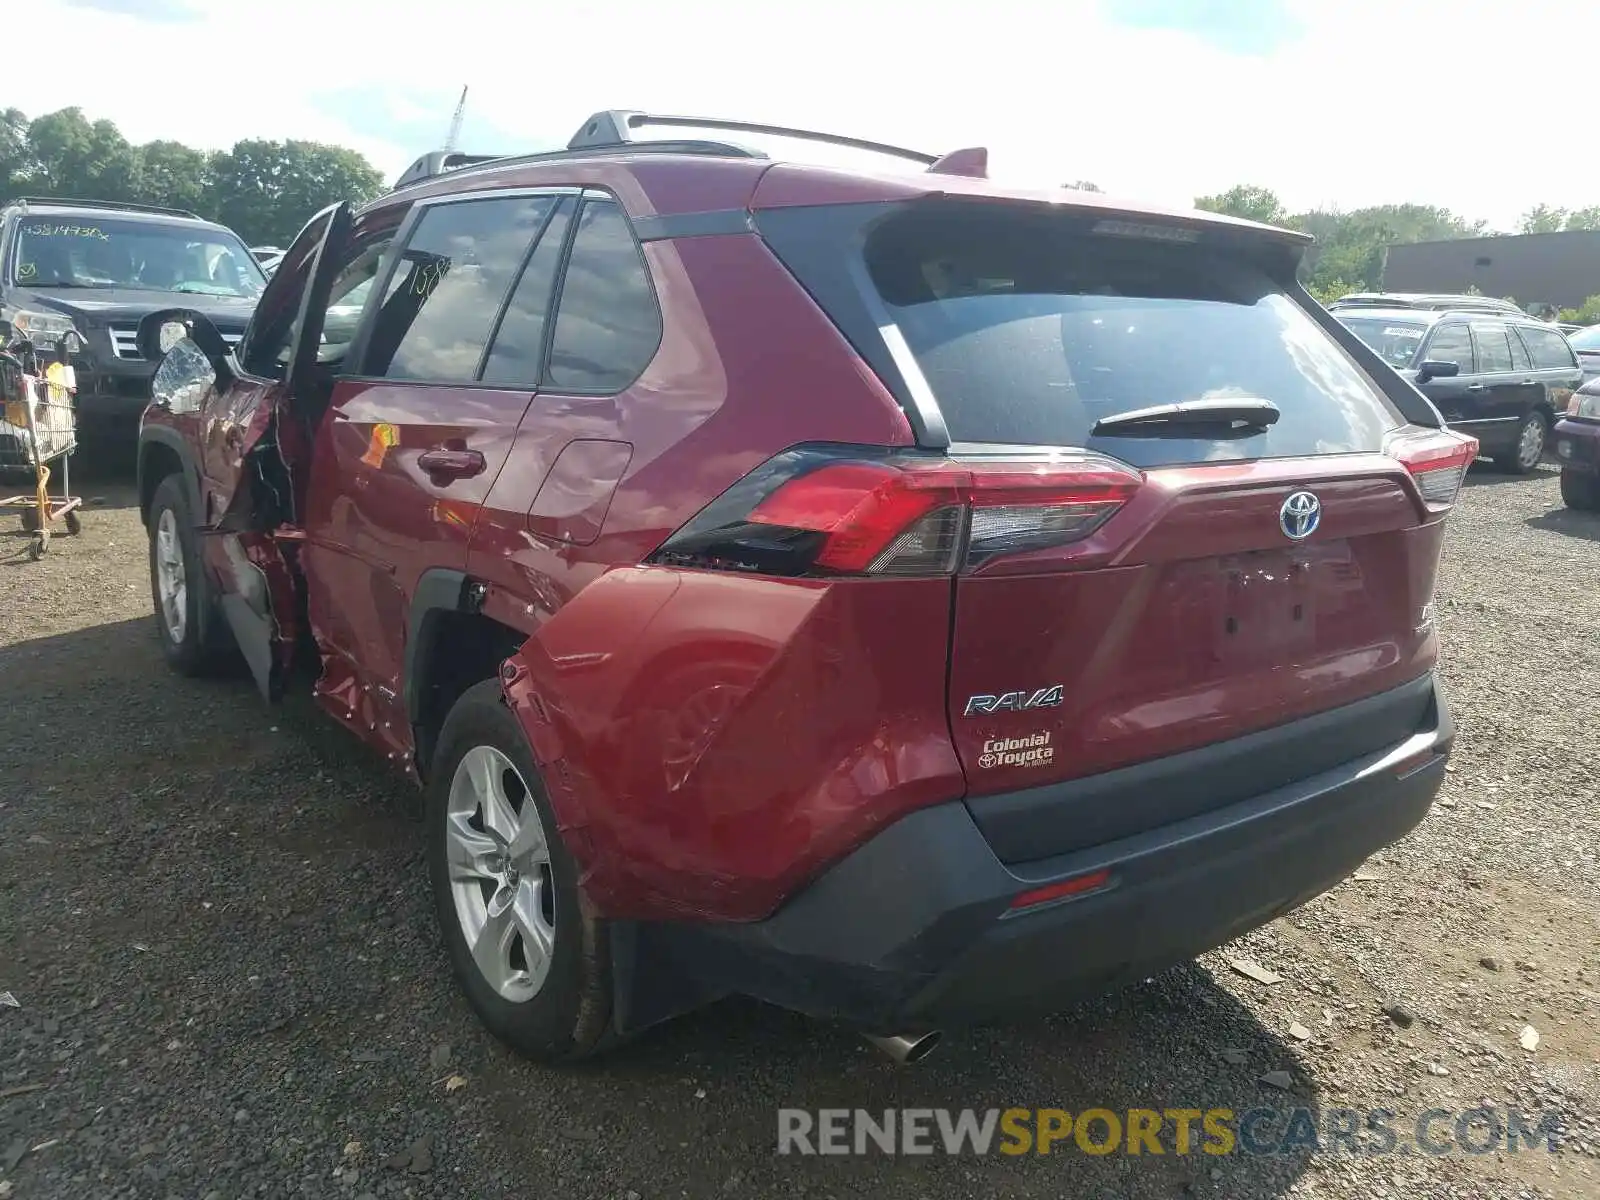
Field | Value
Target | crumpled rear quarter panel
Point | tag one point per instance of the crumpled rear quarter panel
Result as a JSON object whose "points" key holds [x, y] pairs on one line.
{"points": [[711, 741]]}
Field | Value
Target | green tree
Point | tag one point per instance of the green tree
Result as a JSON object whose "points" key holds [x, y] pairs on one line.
{"points": [[172, 174], [73, 157], [1326, 292], [16, 155], [1586, 314], [1541, 218], [1350, 247], [1584, 218], [1248, 201], [265, 191]]}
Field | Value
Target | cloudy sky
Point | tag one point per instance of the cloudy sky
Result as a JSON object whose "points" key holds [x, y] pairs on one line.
{"points": [[1163, 99]]}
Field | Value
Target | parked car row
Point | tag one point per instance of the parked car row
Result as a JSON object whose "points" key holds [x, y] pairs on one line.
{"points": [[1521, 386], [1502, 378]]}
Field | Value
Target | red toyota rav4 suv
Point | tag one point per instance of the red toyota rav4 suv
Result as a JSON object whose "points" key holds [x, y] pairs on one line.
{"points": [[895, 597]]}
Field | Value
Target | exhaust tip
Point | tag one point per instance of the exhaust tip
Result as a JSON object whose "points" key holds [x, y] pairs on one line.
{"points": [[907, 1048]]}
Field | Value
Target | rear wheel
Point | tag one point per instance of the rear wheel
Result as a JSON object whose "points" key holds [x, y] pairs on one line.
{"points": [[1524, 458], [1580, 490], [194, 637], [533, 964]]}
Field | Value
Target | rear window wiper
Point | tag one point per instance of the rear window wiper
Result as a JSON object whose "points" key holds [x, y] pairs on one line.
{"points": [[1233, 413]]}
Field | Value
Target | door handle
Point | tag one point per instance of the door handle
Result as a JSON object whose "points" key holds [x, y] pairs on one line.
{"points": [[1477, 387], [444, 463]]}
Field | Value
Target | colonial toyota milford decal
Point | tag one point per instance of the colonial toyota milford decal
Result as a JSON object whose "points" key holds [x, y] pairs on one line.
{"points": [[1030, 750], [1024, 750]]}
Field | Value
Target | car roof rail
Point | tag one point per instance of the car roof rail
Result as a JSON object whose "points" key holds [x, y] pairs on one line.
{"points": [[438, 162], [614, 127], [113, 205], [442, 162], [611, 132]]}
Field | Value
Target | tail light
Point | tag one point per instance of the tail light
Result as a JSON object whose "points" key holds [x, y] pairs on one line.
{"points": [[1438, 460], [842, 511]]}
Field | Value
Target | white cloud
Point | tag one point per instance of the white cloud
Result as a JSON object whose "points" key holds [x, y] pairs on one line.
{"points": [[1055, 90]]}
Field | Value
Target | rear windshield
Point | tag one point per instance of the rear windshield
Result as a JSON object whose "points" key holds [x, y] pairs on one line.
{"points": [[1586, 339], [1029, 329], [1396, 341]]}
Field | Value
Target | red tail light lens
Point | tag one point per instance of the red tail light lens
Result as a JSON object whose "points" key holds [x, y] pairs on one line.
{"points": [[1438, 460], [831, 511]]}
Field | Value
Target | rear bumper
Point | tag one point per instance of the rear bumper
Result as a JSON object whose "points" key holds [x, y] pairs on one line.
{"points": [[1577, 444], [914, 929]]}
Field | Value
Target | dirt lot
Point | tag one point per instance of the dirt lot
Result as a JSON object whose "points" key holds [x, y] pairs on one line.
{"points": [[214, 919]]}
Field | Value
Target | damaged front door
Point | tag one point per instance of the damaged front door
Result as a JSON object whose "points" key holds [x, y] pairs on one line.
{"points": [[251, 451]]}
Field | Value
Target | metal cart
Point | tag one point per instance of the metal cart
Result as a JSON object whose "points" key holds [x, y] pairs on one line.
{"points": [[40, 428]]}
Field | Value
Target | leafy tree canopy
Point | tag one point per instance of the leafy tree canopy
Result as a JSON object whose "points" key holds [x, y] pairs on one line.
{"points": [[264, 191]]}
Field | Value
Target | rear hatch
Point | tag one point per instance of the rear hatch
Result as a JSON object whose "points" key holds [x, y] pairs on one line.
{"points": [[1192, 517]]}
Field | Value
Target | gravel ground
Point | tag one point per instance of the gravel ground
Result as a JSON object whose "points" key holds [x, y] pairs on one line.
{"points": [[214, 918]]}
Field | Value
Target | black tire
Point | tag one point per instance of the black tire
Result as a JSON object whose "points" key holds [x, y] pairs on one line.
{"points": [[30, 520], [1512, 461], [74, 524], [206, 646], [569, 1017], [1580, 490]]}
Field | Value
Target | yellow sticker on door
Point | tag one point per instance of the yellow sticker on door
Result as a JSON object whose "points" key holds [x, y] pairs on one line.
{"points": [[384, 435]]}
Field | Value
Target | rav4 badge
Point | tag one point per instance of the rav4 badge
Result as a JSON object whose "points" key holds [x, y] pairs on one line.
{"points": [[1048, 697]]}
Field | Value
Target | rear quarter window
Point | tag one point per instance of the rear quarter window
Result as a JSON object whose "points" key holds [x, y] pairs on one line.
{"points": [[1029, 330], [1548, 348], [608, 326]]}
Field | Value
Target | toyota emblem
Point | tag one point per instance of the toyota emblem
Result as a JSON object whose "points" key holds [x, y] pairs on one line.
{"points": [[1300, 515]]}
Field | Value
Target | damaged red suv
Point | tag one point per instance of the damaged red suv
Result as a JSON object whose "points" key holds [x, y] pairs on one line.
{"points": [[892, 596]]}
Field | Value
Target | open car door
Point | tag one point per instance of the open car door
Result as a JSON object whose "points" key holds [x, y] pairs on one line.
{"points": [[253, 450], [279, 350]]}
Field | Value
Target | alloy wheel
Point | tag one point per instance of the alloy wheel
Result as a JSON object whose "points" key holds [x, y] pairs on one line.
{"points": [[1530, 447], [172, 580], [500, 882]]}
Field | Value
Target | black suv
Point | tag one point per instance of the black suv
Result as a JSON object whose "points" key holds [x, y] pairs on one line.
{"points": [[1501, 378], [103, 266], [1427, 301]]}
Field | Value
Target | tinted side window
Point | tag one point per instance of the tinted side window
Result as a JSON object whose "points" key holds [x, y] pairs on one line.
{"points": [[1451, 343], [1519, 352], [518, 349], [448, 287], [1494, 351], [607, 325], [1549, 349]]}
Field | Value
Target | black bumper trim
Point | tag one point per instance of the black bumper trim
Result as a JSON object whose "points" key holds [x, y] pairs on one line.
{"points": [[907, 931], [1076, 813]]}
